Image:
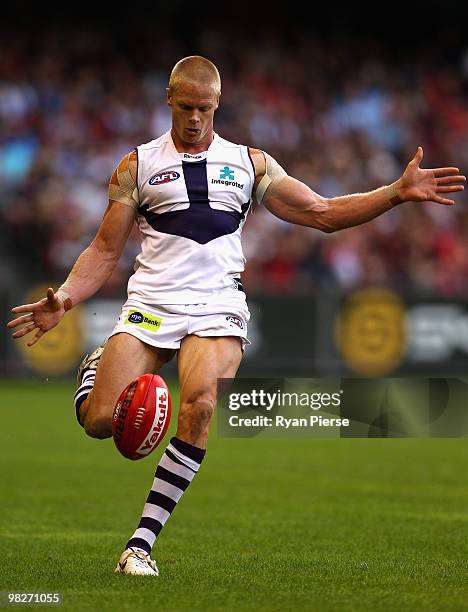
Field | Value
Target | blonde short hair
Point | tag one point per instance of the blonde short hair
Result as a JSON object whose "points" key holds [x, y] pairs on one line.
{"points": [[196, 69]]}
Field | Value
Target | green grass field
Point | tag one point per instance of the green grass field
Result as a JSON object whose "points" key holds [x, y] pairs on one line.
{"points": [[268, 524]]}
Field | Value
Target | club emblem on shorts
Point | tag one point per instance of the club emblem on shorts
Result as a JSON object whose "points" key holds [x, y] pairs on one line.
{"points": [[235, 321], [164, 177], [143, 320]]}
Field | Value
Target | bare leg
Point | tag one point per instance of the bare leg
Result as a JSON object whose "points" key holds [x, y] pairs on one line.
{"points": [[201, 362], [125, 357]]}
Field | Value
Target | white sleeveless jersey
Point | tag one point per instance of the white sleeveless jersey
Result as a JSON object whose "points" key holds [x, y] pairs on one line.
{"points": [[191, 213]]}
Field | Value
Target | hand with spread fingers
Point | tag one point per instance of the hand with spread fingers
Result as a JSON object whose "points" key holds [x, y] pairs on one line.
{"points": [[42, 315], [428, 185]]}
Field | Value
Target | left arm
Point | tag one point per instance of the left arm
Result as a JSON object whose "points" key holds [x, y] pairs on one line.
{"points": [[293, 201]]}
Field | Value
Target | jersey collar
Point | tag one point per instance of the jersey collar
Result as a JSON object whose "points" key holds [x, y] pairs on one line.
{"points": [[190, 157]]}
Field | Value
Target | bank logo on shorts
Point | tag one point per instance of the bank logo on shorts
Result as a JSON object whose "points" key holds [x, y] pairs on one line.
{"points": [[143, 320]]}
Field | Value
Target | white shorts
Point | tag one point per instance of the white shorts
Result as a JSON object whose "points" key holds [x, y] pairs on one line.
{"points": [[166, 325]]}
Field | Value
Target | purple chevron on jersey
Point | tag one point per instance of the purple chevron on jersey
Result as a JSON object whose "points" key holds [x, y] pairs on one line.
{"points": [[199, 222]]}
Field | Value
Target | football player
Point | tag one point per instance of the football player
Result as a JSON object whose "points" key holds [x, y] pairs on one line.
{"points": [[189, 191]]}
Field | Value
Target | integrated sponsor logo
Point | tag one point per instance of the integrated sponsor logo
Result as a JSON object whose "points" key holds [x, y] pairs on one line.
{"points": [[144, 320], [235, 321], [227, 177], [160, 417], [226, 173], [229, 183], [164, 177]]}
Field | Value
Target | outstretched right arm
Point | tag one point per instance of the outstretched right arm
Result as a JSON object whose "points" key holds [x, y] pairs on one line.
{"points": [[97, 262]]}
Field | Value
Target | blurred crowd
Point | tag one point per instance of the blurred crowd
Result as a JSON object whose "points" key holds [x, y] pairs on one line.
{"points": [[341, 115]]}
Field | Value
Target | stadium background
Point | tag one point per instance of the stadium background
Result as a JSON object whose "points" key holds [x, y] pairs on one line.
{"points": [[341, 96], [342, 108]]}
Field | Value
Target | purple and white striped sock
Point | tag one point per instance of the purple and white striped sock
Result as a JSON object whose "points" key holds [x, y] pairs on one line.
{"points": [[177, 467], [83, 391]]}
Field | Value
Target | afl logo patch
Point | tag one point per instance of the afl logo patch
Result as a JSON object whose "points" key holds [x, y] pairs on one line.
{"points": [[164, 177]]}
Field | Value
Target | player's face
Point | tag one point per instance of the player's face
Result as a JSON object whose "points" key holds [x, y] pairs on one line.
{"points": [[193, 106]]}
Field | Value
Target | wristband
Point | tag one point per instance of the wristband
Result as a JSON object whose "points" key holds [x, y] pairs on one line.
{"points": [[67, 303], [394, 198]]}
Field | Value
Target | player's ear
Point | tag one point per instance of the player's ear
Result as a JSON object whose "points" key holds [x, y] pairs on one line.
{"points": [[168, 96]]}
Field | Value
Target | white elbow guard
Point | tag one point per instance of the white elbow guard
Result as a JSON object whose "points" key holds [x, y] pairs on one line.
{"points": [[273, 174]]}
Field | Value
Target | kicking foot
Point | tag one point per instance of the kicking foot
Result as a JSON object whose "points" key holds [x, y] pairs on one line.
{"points": [[90, 362], [85, 379]]}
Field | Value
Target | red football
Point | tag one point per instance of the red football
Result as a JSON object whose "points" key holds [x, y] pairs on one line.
{"points": [[141, 416]]}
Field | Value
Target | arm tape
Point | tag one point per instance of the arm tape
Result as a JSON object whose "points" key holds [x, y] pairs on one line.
{"points": [[123, 183], [274, 173]]}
